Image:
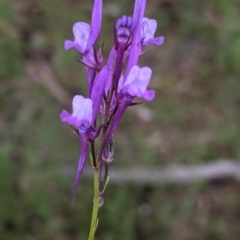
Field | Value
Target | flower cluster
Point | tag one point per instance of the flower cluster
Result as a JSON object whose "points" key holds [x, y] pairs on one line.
{"points": [[112, 84]]}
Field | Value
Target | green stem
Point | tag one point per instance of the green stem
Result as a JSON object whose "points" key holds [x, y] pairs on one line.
{"points": [[95, 163], [94, 220]]}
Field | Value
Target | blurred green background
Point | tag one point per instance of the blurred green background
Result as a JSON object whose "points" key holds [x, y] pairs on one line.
{"points": [[194, 119]]}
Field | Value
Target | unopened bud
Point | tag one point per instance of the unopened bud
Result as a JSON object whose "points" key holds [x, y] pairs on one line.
{"points": [[108, 153], [123, 29]]}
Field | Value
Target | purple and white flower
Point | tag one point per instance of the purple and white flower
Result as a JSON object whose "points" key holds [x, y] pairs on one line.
{"points": [[85, 35], [148, 29], [81, 116], [136, 83]]}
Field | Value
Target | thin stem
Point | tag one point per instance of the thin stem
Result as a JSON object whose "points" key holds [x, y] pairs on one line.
{"points": [[96, 198], [93, 154], [94, 221]]}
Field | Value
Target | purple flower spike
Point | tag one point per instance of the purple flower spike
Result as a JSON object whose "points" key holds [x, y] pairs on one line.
{"points": [[148, 29], [112, 84], [136, 83], [81, 117]]}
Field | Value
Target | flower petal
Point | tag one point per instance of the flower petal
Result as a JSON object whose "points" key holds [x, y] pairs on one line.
{"points": [[137, 81], [65, 116], [81, 31], [69, 118], [82, 113], [133, 74], [155, 41], [148, 29], [68, 44], [149, 95], [82, 108]]}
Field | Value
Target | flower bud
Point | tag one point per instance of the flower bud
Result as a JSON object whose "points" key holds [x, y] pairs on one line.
{"points": [[108, 153], [123, 30]]}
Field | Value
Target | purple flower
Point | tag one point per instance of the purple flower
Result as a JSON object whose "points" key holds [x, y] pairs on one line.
{"points": [[123, 33], [148, 29], [123, 30], [84, 35], [81, 31], [81, 117], [136, 83]]}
